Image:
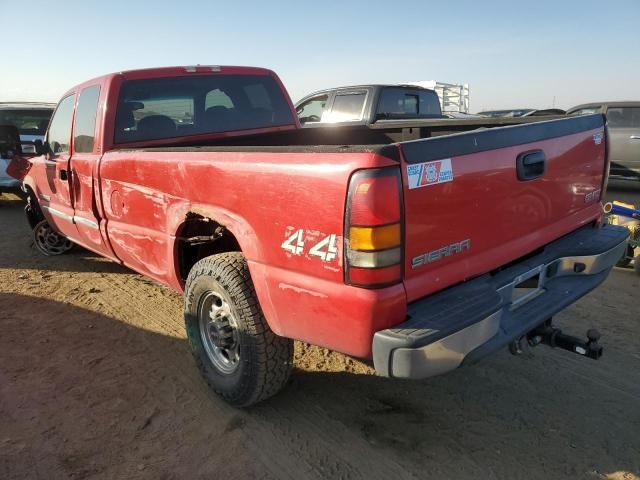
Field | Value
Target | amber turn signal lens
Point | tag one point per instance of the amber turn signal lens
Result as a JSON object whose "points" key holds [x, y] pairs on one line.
{"points": [[374, 238]]}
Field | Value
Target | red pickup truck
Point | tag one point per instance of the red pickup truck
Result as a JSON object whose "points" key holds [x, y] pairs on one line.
{"points": [[420, 256]]}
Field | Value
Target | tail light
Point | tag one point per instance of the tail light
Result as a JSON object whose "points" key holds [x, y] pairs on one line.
{"points": [[373, 228]]}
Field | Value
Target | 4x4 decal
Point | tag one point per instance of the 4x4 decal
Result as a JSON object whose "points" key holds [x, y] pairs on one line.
{"points": [[325, 249]]}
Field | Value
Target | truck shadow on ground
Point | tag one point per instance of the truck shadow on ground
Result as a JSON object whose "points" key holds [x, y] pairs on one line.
{"points": [[77, 260], [84, 394]]}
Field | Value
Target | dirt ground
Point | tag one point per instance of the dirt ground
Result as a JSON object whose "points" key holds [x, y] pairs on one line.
{"points": [[96, 381]]}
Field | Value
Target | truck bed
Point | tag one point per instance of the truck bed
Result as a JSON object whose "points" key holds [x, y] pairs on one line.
{"points": [[356, 138]]}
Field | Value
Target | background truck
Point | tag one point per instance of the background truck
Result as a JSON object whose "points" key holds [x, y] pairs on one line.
{"points": [[624, 135], [383, 113], [420, 256]]}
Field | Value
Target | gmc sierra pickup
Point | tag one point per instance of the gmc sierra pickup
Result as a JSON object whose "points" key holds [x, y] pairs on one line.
{"points": [[420, 256]]}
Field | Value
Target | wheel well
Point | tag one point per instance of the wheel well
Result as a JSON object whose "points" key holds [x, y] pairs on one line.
{"points": [[199, 237], [32, 210]]}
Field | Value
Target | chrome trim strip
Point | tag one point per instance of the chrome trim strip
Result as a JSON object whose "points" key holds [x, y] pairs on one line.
{"points": [[86, 222], [75, 219], [58, 213], [44, 197]]}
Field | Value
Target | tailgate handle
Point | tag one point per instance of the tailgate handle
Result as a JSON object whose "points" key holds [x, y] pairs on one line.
{"points": [[530, 165]]}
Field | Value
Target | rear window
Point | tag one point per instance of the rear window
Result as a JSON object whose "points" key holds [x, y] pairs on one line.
{"points": [[28, 122], [623, 117], [158, 108], [402, 103]]}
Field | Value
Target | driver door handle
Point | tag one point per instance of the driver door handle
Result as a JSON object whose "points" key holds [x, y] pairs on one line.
{"points": [[635, 137]]}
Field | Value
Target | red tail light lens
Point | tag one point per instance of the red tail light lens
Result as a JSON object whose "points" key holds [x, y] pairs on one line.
{"points": [[375, 200], [373, 228]]}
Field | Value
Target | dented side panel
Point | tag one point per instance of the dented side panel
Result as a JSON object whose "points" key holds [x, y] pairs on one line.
{"points": [[286, 211]]}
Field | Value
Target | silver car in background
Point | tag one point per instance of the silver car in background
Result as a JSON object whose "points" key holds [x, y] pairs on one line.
{"points": [[31, 119], [623, 120]]}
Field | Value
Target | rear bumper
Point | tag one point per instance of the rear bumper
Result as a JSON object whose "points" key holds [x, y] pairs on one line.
{"points": [[467, 322]]}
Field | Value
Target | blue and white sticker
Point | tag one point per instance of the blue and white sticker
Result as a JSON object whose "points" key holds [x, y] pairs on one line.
{"points": [[429, 173]]}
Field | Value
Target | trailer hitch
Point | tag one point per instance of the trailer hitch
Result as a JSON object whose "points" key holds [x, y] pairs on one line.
{"points": [[547, 334]]}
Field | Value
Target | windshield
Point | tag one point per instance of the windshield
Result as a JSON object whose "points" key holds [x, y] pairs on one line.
{"points": [[157, 108], [28, 121]]}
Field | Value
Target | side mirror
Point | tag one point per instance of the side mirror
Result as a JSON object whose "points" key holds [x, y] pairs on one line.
{"points": [[42, 148], [38, 147]]}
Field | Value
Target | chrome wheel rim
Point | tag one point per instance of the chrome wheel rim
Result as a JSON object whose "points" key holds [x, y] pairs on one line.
{"points": [[50, 242], [219, 332]]}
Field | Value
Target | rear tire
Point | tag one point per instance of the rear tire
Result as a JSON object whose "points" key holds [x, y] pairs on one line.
{"points": [[236, 352]]}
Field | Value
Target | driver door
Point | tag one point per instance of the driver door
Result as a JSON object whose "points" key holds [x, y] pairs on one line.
{"points": [[54, 194]]}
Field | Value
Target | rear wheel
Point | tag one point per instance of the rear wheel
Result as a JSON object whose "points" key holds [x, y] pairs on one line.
{"points": [[48, 241], [239, 356]]}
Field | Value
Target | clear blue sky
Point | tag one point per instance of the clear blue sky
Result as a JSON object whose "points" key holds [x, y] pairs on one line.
{"points": [[512, 53]]}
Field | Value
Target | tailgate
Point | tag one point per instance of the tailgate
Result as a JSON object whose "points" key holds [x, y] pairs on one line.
{"points": [[476, 201]]}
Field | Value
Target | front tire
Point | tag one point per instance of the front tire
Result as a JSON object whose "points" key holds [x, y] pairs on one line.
{"points": [[236, 352], [48, 241]]}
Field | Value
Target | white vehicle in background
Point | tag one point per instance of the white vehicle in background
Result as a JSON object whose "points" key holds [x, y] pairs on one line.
{"points": [[454, 97], [31, 119]]}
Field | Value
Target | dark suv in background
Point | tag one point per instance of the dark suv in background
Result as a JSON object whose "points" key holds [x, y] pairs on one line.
{"points": [[624, 134]]}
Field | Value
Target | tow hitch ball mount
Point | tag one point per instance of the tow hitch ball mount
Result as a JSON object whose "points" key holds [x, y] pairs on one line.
{"points": [[547, 334]]}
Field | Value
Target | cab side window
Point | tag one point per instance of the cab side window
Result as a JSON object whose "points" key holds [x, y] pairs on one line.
{"points": [[84, 131], [348, 106], [623, 117], [312, 109], [587, 111], [59, 134]]}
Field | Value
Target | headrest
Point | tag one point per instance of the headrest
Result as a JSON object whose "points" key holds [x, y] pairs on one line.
{"points": [[156, 126]]}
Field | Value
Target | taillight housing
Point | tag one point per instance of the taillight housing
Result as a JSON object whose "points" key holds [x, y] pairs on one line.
{"points": [[374, 229]]}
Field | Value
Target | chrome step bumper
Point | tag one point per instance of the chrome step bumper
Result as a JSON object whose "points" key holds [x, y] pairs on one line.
{"points": [[467, 322]]}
